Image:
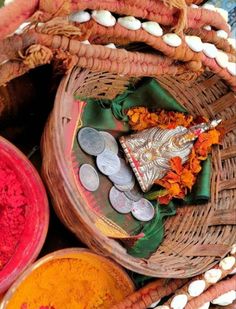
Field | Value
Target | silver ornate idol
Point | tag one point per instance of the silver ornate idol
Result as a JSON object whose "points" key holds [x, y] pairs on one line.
{"points": [[149, 151]]}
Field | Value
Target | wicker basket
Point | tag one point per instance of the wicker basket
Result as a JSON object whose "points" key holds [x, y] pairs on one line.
{"points": [[198, 235]]}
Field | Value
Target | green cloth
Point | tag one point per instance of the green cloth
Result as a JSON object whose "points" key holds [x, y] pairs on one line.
{"points": [[150, 94], [153, 96], [100, 117], [154, 232]]}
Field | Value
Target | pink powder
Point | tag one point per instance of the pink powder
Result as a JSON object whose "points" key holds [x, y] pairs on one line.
{"points": [[12, 213]]}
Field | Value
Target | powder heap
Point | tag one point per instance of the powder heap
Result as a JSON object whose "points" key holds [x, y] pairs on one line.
{"points": [[12, 213], [88, 281]]}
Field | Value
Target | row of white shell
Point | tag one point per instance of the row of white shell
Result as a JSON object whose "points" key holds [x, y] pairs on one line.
{"points": [[105, 18], [211, 276], [213, 8]]}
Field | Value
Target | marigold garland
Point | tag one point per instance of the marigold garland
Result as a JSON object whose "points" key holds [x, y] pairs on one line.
{"points": [[181, 178]]}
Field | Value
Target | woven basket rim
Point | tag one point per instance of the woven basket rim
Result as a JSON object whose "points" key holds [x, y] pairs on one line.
{"points": [[100, 242]]}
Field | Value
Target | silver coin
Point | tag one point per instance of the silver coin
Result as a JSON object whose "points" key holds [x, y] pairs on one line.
{"points": [[124, 175], [108, 162], [143, 210], [110, 142], [89, 177], [127, 187], [119, 201], [134, 194], [91, 141]]}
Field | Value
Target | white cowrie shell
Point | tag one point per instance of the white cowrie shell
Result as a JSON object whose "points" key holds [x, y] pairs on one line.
{"points": [[232, 42], [22, 27], [155, 304], [179, 301], [223, 13], [153, 28], [194, 42], [85, 42], [208, 27], [227, 263], [233, 249], [222, 59], [104, 18], [205, 306], [210, 7], [80, 17], [111, 45], [225, 299], [194, 6], [210, 50], [172, 39], [6, 2], [231, 68], [222, 34], [213, 275], [162, 307], [196, 287], [130, 22]]}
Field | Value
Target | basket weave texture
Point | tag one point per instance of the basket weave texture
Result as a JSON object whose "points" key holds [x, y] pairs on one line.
{"points": [[198, 235]]}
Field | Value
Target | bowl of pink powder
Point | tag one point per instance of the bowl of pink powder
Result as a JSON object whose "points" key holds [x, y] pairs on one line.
{"points": [[24, 213]]}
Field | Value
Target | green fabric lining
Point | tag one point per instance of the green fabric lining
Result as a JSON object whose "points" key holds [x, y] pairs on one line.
{"points": [[154, 232], [153, 96]]}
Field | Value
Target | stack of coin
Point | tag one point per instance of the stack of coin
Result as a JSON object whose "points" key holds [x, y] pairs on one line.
{"points": [[125, 196], [142, 210]]}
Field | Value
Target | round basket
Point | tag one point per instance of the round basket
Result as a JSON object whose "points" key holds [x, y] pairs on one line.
{"points": [[116, 275], [198, 235], [36, 215]]}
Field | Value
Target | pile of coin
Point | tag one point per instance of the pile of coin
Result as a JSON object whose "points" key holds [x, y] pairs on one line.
{"points": [[125, 196]]}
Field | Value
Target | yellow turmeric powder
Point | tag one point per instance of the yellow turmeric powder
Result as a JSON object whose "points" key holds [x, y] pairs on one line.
{"points": [[78, 281]]}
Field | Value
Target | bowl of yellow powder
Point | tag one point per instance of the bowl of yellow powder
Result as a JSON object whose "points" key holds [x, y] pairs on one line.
{"points": [[69, 279]]}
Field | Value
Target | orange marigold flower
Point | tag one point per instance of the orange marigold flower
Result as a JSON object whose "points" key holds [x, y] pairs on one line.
{"points": [[176, 165], [194, 162], [165, 199], [187, 178], [181, 177], [175, 189]]}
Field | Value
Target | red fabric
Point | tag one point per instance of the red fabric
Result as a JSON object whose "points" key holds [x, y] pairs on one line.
{"points": [[12, 213]]}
